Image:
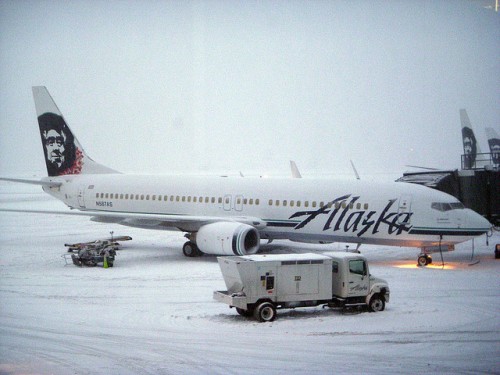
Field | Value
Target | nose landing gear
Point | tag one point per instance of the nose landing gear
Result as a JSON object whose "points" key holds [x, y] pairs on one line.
{"points": [[424, 260]]}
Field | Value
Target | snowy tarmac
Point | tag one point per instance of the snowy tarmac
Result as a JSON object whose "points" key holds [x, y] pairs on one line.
{"points": [[153, 312]]}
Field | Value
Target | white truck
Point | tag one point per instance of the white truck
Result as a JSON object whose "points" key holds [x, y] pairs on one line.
{"points": [[258, 285]]}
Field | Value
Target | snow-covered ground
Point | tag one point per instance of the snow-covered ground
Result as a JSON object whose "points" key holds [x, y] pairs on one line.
{"points": [[153, 312]]}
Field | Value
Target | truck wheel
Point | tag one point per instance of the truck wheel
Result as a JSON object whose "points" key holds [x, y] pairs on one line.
{"points": [[265, 312], [377, 303], [242, 312]]}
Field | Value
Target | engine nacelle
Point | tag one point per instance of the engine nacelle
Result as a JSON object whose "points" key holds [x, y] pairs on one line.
{"points": [[228, 238]]}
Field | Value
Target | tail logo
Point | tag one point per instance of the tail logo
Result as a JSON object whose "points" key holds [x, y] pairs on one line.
{"points": [[62, 156]]}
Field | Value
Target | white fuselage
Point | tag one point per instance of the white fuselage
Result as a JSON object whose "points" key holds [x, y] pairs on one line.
{"points": [[303, 210]]}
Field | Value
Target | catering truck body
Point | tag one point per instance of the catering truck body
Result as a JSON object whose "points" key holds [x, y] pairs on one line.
{"points": [[258, 285]]}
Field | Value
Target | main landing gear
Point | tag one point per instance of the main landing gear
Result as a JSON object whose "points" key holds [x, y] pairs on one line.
{"points": [[191, 250], [424, 260]]}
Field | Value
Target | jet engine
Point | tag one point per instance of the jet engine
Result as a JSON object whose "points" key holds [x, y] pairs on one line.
{"points": [[228, 238]]}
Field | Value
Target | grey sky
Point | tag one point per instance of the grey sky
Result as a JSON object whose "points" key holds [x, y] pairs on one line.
{"points": [[157, 86]]}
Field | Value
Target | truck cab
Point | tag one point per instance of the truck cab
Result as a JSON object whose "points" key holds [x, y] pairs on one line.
{"points": [[352, 283]]}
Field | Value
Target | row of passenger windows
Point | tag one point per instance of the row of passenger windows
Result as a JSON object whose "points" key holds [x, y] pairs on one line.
{"points": [[314, 204], [175, 198], [227, 200]]}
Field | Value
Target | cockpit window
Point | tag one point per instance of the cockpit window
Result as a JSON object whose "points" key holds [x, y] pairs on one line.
{"points": [[440, 206]]}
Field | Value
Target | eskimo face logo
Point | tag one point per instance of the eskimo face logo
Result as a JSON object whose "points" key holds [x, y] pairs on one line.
{"points": [[58, 145], [54, 144], [470, 148]]}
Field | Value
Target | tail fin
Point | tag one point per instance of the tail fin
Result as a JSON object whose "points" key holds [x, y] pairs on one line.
{"points": [[494, 143], [471, 147], [63, 153]]}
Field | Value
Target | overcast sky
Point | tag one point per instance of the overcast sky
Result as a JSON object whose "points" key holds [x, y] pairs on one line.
{"points": [[164, 86]]}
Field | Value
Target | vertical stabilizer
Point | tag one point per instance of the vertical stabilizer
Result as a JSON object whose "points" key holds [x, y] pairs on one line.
{"points": [[494, 143], [63, 153], [471, 148]]}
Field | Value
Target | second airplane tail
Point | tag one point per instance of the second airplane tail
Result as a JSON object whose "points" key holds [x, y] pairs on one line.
{"points": [[63, 153]]}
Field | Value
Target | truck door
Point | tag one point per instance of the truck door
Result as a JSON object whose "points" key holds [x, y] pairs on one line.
{"points": [[359, 280]]}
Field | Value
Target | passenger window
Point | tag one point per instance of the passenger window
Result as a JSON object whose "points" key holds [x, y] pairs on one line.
{"points": [[366, 206], [257, 202], [292, 203], [277, 202], [270, 202], [314, 204], [284, 203], [298, 203], [250, 201], [306, 204]]}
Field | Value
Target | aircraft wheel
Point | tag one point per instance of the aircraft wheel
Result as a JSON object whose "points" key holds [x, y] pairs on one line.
{"points": [[265, 312], [191, 250], [377, 303], [424, 260]]}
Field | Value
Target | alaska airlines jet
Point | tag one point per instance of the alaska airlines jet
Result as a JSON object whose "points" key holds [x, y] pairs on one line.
{"points": [[223, 215]]}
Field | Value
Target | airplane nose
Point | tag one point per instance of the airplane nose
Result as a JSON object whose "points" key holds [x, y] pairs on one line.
{"points": [[476, 221]]}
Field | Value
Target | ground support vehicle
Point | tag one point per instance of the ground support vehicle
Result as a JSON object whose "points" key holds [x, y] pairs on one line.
{"points": [[91, 254], [258, 285]]}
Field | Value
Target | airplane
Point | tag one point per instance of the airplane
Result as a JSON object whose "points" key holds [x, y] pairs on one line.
{"points": [[230, 216]]}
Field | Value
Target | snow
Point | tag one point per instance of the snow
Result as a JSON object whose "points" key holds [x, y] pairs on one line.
{"points": [[153, 312]]}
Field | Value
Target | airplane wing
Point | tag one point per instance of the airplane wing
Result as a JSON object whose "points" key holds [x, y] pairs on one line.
{"points": [[186, 223]]}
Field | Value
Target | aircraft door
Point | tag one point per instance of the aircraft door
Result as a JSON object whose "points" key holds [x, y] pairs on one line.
{"points": [[359, 280], [227, 202], [238, 202], [81, 196], [404, 209]]}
